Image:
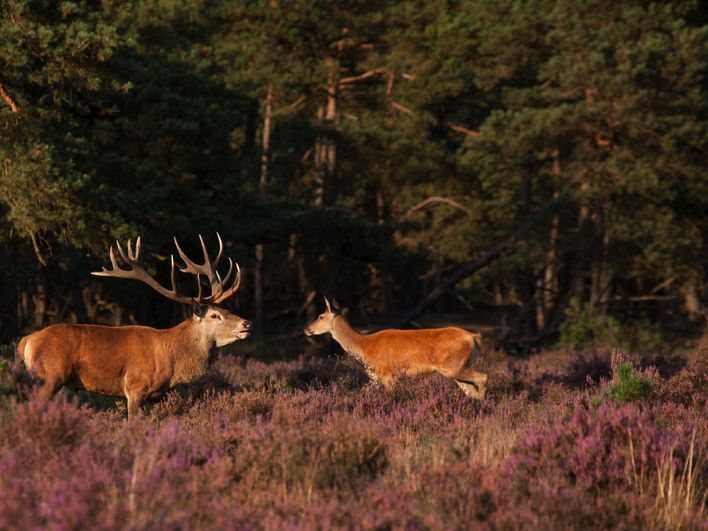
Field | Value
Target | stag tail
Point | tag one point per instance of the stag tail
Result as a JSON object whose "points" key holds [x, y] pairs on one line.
{"points": [[20, 349]]}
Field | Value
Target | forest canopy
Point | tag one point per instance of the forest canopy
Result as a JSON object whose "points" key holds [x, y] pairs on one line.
{"points": [[546, 157]]}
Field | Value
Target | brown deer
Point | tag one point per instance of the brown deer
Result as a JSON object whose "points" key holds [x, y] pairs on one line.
{"points": [[137, 362], [388, 353]]}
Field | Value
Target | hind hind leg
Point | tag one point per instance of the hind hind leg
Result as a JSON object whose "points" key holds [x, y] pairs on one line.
{"points": [[471, 390], [473, 383]]}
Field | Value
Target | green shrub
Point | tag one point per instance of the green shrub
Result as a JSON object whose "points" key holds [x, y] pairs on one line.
{"points": [[628, 385], [587, 327]]}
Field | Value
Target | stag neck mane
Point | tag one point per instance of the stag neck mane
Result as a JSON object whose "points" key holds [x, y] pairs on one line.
{"points": [[187, 336]]}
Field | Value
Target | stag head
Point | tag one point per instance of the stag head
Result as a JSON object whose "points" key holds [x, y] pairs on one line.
{"points": [[224, 326]]}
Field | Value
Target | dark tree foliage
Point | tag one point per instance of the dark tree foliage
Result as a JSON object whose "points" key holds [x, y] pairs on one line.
{"points": [[365, 150]]}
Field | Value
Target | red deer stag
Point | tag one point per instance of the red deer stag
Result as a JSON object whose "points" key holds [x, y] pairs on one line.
{"points": [[137, 362], [447, 351]]}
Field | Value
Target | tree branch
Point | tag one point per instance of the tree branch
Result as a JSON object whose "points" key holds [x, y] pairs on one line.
{"points": [[435, 200], [462, 272], [298, 101], [464, 130], [8, 99], [366, 75]]}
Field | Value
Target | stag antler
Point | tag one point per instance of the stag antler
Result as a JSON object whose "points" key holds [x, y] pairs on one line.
{"points": [[218, 295]]}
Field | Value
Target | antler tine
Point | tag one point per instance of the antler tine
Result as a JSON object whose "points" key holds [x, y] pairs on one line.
{"points": [[237, 283], [138, 273], [228, 275], [208, 270], [130, 259], [221, 251]]}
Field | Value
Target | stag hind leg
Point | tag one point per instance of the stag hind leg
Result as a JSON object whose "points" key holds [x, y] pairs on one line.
{"points": [[50, 388], [31, 354]]}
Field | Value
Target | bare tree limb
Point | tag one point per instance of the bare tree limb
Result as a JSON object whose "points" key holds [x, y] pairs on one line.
{"points": [[366, 75], [298, 101], [402, 108], [460, 273], [37, 250], [464, 130], [8, 99], [435, 200]]}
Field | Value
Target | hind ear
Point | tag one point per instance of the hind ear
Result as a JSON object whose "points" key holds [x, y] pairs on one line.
{"points": [[327, 303], [336, 306]]}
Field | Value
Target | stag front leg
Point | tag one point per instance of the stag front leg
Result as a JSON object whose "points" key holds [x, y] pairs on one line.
{"points": [[135, 405], [136, 392]]}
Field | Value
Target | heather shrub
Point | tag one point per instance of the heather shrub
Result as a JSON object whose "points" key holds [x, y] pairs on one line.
{"points": [[302, 374], [231, 408], [15, 380], [460, 494], [590, 449], [7, 385], [620, 456], [44, 428], [415, 406], [666, 366], [340, 457], [313, 444], [346, 372], [584, 370], [515, 379], [688, 387]]}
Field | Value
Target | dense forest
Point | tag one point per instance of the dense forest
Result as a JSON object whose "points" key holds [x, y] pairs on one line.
{"points": [[545, 157]]}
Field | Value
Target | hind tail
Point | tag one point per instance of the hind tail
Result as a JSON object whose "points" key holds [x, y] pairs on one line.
{"points": [[477, 345]]}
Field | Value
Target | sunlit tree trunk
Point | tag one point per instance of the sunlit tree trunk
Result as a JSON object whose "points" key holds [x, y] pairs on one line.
{"points": [[383, 273], [40, 306], [324, 195], [258, 273], [600, 279]]}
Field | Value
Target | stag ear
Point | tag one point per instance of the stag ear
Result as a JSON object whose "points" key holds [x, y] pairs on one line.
{"points": [[197, 309], [327, 303]]}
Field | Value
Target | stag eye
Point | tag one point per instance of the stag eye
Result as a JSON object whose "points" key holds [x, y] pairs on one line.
{"points": [[214, 315]]}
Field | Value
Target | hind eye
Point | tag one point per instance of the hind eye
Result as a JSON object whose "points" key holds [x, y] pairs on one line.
{"points": [[321, 316], [214, 315]]}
